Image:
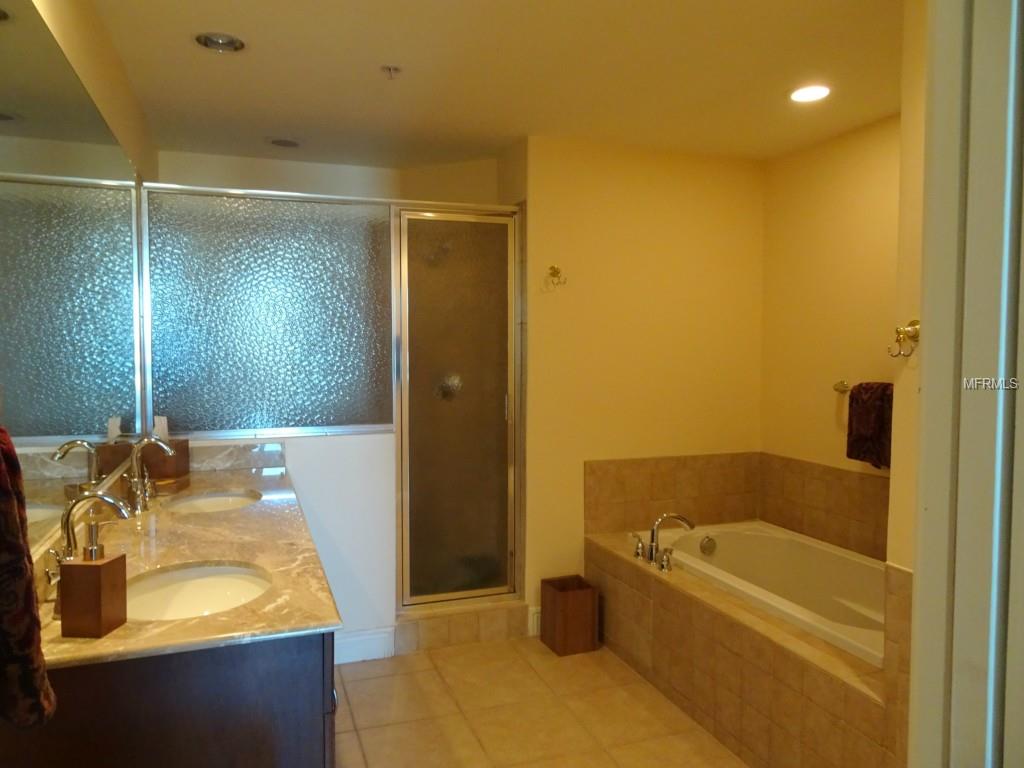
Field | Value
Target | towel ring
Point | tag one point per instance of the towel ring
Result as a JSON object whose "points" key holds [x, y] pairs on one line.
{"points": [[907, 338]]}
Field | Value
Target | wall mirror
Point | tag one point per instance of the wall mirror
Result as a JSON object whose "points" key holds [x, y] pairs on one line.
{"points": [[66, 261]]}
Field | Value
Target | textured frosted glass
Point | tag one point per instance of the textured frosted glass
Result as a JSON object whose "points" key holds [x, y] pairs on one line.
{"points": [[66, 333], [269, 313]]}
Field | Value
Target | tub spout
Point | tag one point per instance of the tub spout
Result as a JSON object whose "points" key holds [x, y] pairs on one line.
{"points": [[652, 547]]}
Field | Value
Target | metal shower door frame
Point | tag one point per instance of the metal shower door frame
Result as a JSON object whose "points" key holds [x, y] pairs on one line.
{"points": [[510, 218]]}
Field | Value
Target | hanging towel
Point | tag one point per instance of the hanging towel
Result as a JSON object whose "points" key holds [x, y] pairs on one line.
{"points": [[869, 427], [26, 697]]}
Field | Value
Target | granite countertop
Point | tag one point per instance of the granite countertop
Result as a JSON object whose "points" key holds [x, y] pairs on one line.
{"points": [[271, 534]]}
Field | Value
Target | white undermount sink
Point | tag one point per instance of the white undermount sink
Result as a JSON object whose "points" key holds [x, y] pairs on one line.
{"points": [[194, 589], [217, 501]]}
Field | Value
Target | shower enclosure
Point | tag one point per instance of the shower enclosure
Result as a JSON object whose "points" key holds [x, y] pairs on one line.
{"points": [[460, 332], [261, 315]]}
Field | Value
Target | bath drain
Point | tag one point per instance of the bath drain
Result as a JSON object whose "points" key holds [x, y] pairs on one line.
{"points": [[708, 546]]}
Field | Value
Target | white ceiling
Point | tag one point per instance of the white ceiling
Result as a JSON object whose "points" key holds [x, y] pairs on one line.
{"points": [[38, 85], [709, 76]]}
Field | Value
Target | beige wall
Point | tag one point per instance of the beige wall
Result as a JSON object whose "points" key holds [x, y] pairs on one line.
{"points": [[830, 269], [653, 346], [63, 158], [512, 174], [84, 39], [474, 181], [906, 417], [280, 175]]}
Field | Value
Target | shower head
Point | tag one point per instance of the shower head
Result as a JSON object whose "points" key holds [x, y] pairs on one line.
{"points": [[439, 253]]}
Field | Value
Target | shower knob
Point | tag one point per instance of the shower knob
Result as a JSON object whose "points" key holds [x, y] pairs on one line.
{"points": [[449, 387]]}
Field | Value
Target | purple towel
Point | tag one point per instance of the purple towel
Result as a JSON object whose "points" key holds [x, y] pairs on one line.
{"points": [[869, 428]]}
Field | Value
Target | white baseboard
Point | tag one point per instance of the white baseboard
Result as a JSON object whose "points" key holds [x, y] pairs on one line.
{"points": [[363, 644], [533, 627]]}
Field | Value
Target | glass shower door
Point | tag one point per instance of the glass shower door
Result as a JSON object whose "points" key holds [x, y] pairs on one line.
{"points": [[457, 405]]}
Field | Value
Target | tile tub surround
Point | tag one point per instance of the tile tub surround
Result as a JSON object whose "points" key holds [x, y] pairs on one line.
{"points": [[848, 509], [512, 702], [271, 534], [775, 695], [629, 494], [441, 627], [899, 585], [845, 508]]}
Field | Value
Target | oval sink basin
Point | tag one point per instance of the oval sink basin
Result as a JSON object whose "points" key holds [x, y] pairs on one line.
{"points": [[197, 589], [215, 502], [37, 513]]}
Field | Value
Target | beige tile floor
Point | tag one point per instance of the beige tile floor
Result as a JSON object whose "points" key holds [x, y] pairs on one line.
{"points": [[512, 703]]}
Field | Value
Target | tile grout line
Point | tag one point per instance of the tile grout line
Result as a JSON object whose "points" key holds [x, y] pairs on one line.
{"points": [[523, 655], [352, 717], [561, 700], [458, 706], [355, 728]]}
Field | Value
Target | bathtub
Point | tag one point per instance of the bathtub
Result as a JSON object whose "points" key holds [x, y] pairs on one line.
{"points": [[833, 593]]}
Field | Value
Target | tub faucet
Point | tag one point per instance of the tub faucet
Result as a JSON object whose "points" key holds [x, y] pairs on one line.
{"points": [[138, 475], [652, 546]]}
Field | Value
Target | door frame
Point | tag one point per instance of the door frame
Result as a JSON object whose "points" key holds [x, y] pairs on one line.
{"points": [[401, 215], [961, 709]]}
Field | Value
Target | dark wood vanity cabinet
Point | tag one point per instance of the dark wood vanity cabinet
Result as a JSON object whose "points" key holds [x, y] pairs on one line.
{"points": [[262, 704]]}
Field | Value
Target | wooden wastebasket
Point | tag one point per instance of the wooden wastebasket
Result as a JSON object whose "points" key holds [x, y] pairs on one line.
{"points": [[568, 615]]}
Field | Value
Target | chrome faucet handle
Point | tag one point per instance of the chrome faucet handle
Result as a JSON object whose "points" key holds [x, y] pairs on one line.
{"points": [[53, 574], [665, 560], [638, 548], [53, 579]]}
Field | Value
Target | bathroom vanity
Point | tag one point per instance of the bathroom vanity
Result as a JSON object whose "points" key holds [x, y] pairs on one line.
{"points": [[227, 656]]}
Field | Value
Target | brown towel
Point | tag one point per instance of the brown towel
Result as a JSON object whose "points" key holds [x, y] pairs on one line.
{"points": [[26, 697], [869, 428]]}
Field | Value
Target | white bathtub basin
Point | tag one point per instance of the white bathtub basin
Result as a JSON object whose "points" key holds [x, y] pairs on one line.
{"points": [[834, 593], [196, 589], [215, 502]]}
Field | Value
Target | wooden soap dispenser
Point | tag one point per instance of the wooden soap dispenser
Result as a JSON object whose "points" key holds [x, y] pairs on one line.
{"points": [[94, 590]]}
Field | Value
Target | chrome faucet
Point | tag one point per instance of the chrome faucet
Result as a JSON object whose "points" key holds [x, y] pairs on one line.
{"points": [[67, 520], [138, 475], [69, 446], [652, 547], [67, 527]]}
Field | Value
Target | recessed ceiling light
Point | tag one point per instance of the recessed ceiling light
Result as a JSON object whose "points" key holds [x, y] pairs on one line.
{"points": [[220, 42], [810, 93], [390, 71], [287, 143]]}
